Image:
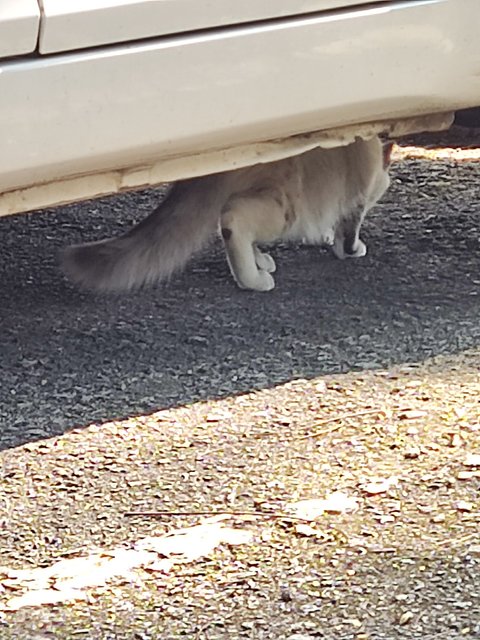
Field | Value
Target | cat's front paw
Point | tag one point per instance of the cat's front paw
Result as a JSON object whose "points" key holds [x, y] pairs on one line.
{"points": [[265, 262], [359, 250]]}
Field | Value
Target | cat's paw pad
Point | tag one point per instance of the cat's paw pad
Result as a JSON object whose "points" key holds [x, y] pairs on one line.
{"points": [[265, 262]]}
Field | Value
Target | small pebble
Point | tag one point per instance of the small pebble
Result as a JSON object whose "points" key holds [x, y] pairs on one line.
{"points": [[463, 505], [411, 453], [405, 618], [438, 518], [472, 460]]}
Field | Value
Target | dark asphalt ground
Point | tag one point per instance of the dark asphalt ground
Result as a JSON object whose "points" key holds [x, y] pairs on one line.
{"points": [[69, 358]]}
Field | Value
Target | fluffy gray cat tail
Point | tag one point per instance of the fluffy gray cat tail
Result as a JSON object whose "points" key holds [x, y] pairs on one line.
{"points": [[155, 248]]}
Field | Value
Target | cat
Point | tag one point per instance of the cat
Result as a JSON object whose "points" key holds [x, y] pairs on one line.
{"points": [[320, 196]]}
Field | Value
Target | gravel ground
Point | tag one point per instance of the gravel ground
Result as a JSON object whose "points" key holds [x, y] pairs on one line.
{"points": [[360, 377]]}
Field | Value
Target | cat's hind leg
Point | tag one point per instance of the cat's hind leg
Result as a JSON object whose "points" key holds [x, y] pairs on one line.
{"points": [[245, 220], [347, 243], [242, 262]]}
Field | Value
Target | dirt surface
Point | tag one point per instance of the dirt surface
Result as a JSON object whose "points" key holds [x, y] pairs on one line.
{"points": [[359, 377]]}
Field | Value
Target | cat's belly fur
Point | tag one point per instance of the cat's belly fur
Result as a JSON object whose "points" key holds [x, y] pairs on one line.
{"points": [[311, 228]]}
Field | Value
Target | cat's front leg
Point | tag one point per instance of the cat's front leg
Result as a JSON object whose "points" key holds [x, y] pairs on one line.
{"points": [[347, 243]]}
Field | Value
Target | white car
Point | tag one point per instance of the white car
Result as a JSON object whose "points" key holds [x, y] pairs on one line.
{"points": [[100, 96]]}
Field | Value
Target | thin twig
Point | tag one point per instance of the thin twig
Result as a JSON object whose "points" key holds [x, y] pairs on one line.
{"points": [[256, 514], [339, 418], [458, 541], [202, 629]]}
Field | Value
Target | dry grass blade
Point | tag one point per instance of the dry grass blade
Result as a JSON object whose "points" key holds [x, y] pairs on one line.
{"points": [[340, 418], [254, 514], [457, 541]]}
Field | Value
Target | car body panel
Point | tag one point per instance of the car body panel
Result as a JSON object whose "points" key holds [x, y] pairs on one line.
{"points": [[130, 107], [19, 26], [79, 24]]}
